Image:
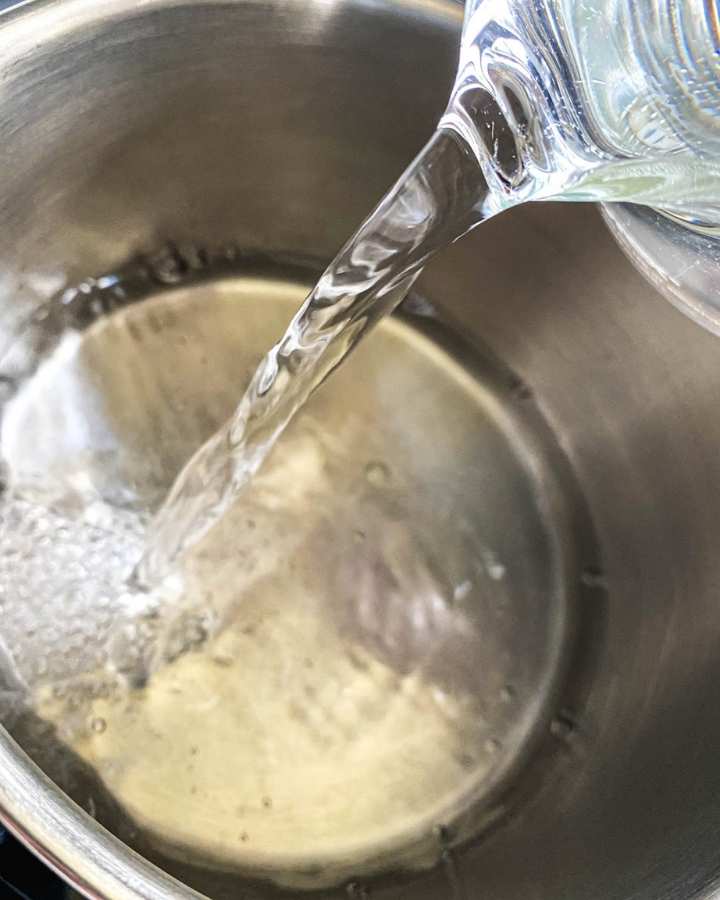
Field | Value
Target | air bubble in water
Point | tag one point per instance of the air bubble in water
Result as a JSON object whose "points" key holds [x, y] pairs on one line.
{"points": [[462, 590], [492, 565], [563, 726], [167, 268], [593, 577], [377, 474]]}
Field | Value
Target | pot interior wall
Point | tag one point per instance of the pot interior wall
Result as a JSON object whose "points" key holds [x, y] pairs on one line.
{"points": [[273, 127]]}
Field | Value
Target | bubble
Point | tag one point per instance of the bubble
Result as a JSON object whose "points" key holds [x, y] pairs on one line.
{"points": [[222, 660], [520, 390], [496, 571], [507, 693], [492, 565], [98, 725], [377, 474], [167, 268], [195, 258], [593, 577], [462, 590], [563, 726]]}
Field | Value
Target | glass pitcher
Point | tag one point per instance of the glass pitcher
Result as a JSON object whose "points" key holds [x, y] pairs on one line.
{"points": [[616, 101]]}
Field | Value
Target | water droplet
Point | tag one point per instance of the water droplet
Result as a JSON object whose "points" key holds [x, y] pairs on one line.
{"points": [[593, 577], [98, 725], [520, 390], [377, 474], [195, 258], [563, 726], [419, 306], [507, 693], [462, 590], [167, 267], [492, 565], [223, 661], [496, 571]]}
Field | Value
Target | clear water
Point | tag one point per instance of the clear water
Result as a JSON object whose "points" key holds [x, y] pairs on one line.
{"points": [[608, 100], [568, 99], [331, 623], [440, 197], [565, 99]]}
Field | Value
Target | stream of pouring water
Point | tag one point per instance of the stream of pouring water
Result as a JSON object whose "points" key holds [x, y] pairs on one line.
{"points": [[527, 120], [531, 116], [438, 199]]}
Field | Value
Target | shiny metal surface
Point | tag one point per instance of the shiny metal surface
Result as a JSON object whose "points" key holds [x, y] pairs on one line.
{"points": [[125, 126]]}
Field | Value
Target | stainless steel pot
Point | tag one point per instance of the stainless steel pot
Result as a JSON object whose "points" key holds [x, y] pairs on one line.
{"points": [[277, 124]]}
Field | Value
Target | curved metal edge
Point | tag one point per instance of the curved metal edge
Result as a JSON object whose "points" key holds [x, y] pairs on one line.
{"points": [[62, 13], [61, 834]]}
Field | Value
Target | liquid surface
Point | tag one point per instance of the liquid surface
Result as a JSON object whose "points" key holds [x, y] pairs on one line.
{"points": [[359, 652]]}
